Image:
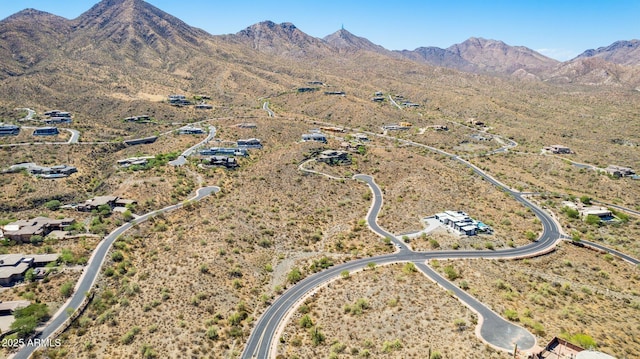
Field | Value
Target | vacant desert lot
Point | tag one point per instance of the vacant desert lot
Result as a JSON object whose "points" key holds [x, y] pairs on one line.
{"points": [[571, 291], [384, 312]]}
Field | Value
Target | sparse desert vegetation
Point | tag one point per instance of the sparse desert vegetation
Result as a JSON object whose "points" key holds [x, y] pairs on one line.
{"points": [[571, 292], [193, 282], [384, 312]]}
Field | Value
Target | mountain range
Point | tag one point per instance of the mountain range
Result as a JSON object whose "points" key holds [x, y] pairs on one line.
{"points": [[133, 43]]}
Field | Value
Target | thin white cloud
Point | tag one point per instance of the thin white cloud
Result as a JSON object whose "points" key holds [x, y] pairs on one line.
{"points": [[559, 54]]}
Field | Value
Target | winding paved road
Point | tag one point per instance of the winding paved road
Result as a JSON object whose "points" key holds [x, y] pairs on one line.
{"points": [[75, 135], [182, 159], [29, 116], [91, 271], [493, 328], [265, 106]]}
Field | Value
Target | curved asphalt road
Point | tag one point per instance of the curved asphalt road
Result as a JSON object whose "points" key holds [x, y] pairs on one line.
{"points": [[494, 329], [182, 159], [265, 106], [609, 250], [29, 116], [88, 278], [502, 333], [75, 135]]}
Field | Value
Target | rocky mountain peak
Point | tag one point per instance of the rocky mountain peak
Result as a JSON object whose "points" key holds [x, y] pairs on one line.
{"points": [[620, 52], [344, 40]]}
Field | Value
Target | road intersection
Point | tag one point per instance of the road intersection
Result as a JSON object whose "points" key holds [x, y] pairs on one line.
{"points": [[493, 329]]}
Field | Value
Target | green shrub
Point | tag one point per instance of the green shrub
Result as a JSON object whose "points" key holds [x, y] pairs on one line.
{"points": [[66, 289], [450, 272], [53, 205], [511, 315], [306, 321]]}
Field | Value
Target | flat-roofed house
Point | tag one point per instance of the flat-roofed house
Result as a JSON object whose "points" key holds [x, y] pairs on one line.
{"points": [[461, 222], [57, 113], [132, 161], [315, 137], [558, 149], [222, 151], [249, 143], [7, 308], [46, 131], [14, 266], [23, 230], [12, 274], [334, 157], [190, 130], [603, 213], [9, 130], [619, 171], [95, 202], [228, 162]]}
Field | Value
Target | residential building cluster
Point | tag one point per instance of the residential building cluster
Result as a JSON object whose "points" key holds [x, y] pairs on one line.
{"points": [[139, 119], [190, 130], [21, 231], [249, 143], [603, 213], [360, 137], [314, 137], [203, 106], [558, 149], [619, 171], [378, 97], [57, 116], [135, 161], [461, 222], [402, 126], [97, 202], [307, 89], [226, 156], [52, 172], [181, 100], [475, 122], [405, 102], [14, 266], [224, 161], [333, 157], [224, 151]]}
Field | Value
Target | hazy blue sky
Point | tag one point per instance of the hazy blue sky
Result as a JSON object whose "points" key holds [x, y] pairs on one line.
{"points": [[557, 28]]}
